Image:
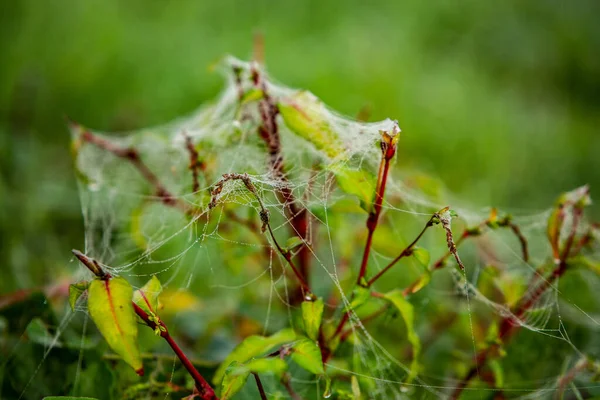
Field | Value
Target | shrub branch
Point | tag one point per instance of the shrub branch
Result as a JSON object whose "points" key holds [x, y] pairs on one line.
{"points": [[205, 390], [388, 150]]}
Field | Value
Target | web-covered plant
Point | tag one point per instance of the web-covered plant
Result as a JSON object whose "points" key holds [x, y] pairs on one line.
{"points": [[267, 235]]}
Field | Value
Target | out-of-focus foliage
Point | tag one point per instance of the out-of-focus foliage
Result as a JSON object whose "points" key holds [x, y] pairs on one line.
{"points": [[513, 84], [500, 101]]}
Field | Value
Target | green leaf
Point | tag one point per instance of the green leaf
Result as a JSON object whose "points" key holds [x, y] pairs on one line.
{"points": [[237, 373], [355, 387], [135, 227], [585, 263], [334, 341], [147, 296], [109, 304], [359, 297], [498, 372], [268, 365], [252, 95], [253, 346], [306, 354], [408, 314], [234, 380], [327, 391], [75, 292], [37, 332], [312, 313], [422, 256], [359, 183], [421, 282], [293, 242], [306, 116]]}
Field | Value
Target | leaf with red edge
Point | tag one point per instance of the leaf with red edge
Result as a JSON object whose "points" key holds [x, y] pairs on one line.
{"points": [[147, 296]]}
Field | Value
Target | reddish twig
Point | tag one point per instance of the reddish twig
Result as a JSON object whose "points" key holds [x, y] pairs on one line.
{"points": [[269, 133], [568, 377], [517, 231], [261, 389], [264, 217], [195, 164], [512, 322], [205, 390], [288, 386], [388, 150], [132, 155], [406, 252]]}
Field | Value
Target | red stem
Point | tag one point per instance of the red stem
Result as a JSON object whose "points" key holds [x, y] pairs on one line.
{"points": [[384, 168], [288, 257], [206, 391], [509, 324], [269, 133], [406, 252], [133, 156]]}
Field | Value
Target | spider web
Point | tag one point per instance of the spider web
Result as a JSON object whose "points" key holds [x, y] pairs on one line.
{"points": [[210, 245]]}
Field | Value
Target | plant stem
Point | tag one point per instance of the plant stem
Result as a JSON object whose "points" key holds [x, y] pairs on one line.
{"points": [[264, 216], [132, 155], [261, 389], [406, 252], [206, 391], [288, 257], [517, 231], [388, 150], [288, 385], [195, 164], [269, 133], [512, 322], [567, 378]]}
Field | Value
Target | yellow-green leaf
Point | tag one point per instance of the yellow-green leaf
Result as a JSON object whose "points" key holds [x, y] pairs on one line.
{"points": [[109, 304], [355, 388], [306, 354], [251, 347], [422, 256], [237, 373], [421, 282], [359, 183], [498, 372], [293, 242], [75, 292], [306, 116], [268, 365], [135, 226], [408, 314], [585, 263], [312, 312], [147, 296], [252, 95], [234, 380], [359, 296]]}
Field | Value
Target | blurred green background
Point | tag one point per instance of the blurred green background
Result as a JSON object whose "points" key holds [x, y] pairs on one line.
{"points": [[500, 100]]}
